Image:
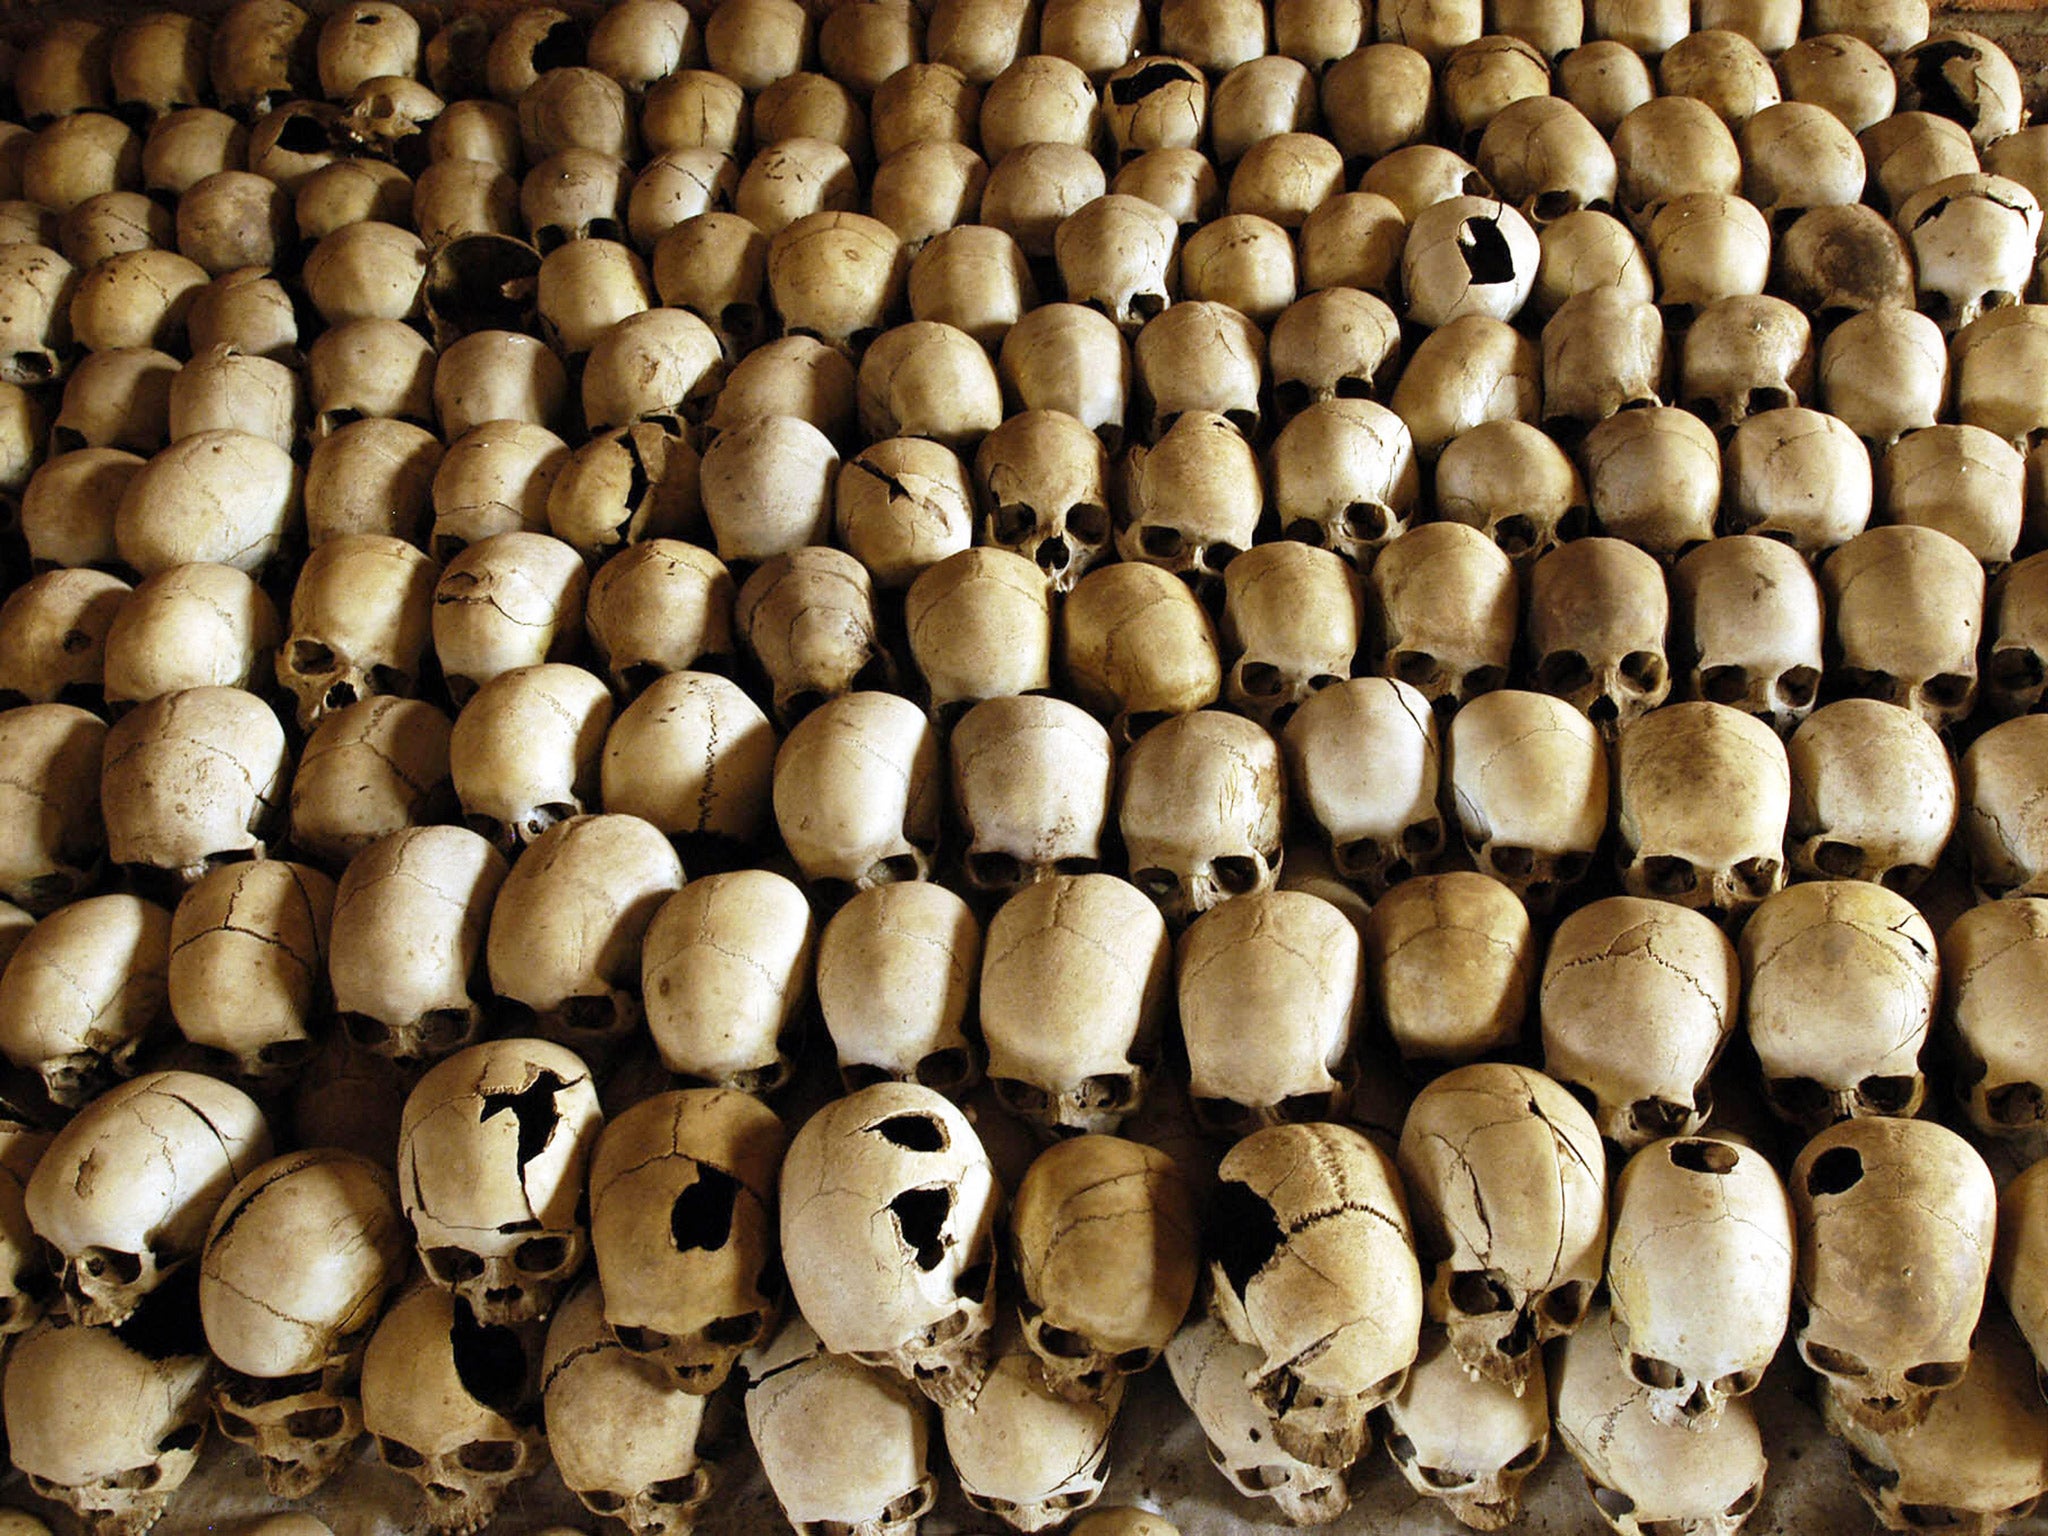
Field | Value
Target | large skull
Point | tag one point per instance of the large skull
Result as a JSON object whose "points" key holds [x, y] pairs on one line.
{"points": [[1032, 782], [1873, 795], [1747, 627], [1451, 963]]}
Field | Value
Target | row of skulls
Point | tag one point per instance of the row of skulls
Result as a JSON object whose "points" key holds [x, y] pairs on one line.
{"points": [[1478, 1282]]}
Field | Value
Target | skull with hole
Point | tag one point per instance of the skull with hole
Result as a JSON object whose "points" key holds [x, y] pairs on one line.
{"points": [[1839, 981], [1199, 355], [621, 1433], [1344, 477], [1873, 795], [1598, 614], [842, 1444], [452, 1403], [1383, 826], [116, 1453], [1973, 239], [360, 616], [248, 965], [1491, 1138], [1473, 370], [1044, 483], [1515, 485], [524, 753], [405, 952], [1702, 795], [492, 1152], [193, 779], [1075, 978], [1468, 1441], [1747, 623], [1084, 1209], [660, 606], [1991, 961], [1746, 354], [1314, 1265], [1334, 343], [979, 626], [370, 769], [626, 485], [510, 600], [901, 506], [1896, 1220], [51, 843], [1467, 256], [1191, 502], [1024, 1453], [564, 948], [1451, 967], [1644, 1475], [726, 973], [888, 1206], [1213, 1373], [1529, 783], [1292, 619], [1627, 957], [1906, 605], [1699, 1274], [1202, 803], [1032, 781], [2000, 785], [1139, 648], [83, 992], [682, 1222], [1270, 988], [857, 790], [1069, 358], [123, 1195], [807, 618], [1965, 77], [289, 1333], [896, 976]]}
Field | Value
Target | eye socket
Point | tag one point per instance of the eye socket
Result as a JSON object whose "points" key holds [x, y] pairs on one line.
{"points": [[1132, 1361], [316, 1423], [452, 1266], [1528, 1456], [1660, 1375], [1236, 873], [1833, 1362], [1400, 1447], [233, 1425], [1745, 1501], [136, 1479], [911, 1505], [689, 1489], [640, 1341], [601, 1501], [1064, 1343], [1612, 1501], [541, 1255], [489, 1456], [740, 1328], [1739, 1383], [1937, 1373], [1020, 1097], [399, 1455]]}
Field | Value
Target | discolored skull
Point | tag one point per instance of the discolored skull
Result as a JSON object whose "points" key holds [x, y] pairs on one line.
{"points": [[1598, 615], [1032, 782], [1467, 1441], [1991, 958], [897, 971], [725, 970], [1747, 628]]}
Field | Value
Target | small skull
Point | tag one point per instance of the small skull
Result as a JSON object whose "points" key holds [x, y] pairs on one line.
{"points": [[1044, 480]]}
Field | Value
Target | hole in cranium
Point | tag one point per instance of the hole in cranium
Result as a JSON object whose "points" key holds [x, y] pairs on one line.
{"points": [[1223, 1117], [2016, 1104], [913, 1133], [1476, 1293], [1247, 1234], [1134, 88], [1132, 1361], [1564, 672], [533, 1108], [1217, 556], [700, 1220], [1666, 875], [1891, 1095], [111, 1264], [1515, 534], [1485, 250], [1836, 1171], [1696, 1156], [1661, 1117], [639, 1341], [1064, 1343], [489, 1363], [1660, 1375], [921, 1219], [302, 134]]}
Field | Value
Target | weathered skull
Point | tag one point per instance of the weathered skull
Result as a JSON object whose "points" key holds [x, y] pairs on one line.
{"points": [[1841, 261], [1023, 1452], [1292, 616], [83, 992], [1383, 825], [248, 962], [405, 954], [1139, 648], [1896, 1220], [1475, 369], [973, 277], [1529, 783], [297, 1265], [1199, 356], [1451, 964], [1344, 477], [725, 970], [1467, 1440], [836, 276], [1699, 1274], [360, 617], [1075, 979], [660, 606], [1973, 239], [370, 769], [1666, 965], [492, 1151], [1996, 376], [1702, 794], [929, 379], [1669, 148], [807, 617], [2000, 788], [1961, 481], [1598, 614], [1118, 254], [1334, 343], [1202, 802], [1314, 1265], [622, 1434], [1746, 354], [524, 752], [1352, 242], [1747, 626], [453, 1404], [1044, 479], [1508, 1179], [1069, 358], [696, 757], [170, 1146], [1467, 256], [23, 1294], [979, 625], [1214, 1374], [1873, 795], [51, 843], [1839, 981], [897, 967], [1190, 503], [903, 505], [372, 476], [1603, 353], [1244, 260], [1644, 1475], [1546, 158], [842, 1444], [857, 788], [888, 1207], [682, 1223], [1448, 604], [1905, 606], [1991, 959], [1841, 72], [1588, 249], [224, 496], [1032, 781], [1884, 372], [511, 600]]}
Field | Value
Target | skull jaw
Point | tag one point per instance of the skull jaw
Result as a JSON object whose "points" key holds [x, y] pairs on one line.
{"points": [[94, 1300], [113, 1511], [1488, 1503], [1303, 1494], [1499, 1347], [1320, 1428]]}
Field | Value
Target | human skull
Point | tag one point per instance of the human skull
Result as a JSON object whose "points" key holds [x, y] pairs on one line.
{"points": [[37, 337], [980, 626], [971, 276], [495, 478], [1315, 1266], [682, 1223], [492, 1152], [225, 496], [1468, 1441], [376, 368], [888, 1206], [1069, 358], [1989, 959], [1842, 73], [1545, 157], [359, 623], [656, 607], [620, 1432], [297, 1265], [83, 992], [23, 1295], [406, 947], [1292, 617], [1473, 370], [1023, 1452], [1799, 475], [1873, 795], [1839, 261], [1707, 246], [371, 476], [452, 1403], [1385, 826], [190, 626], [1669, 148], [1747, 626], [694, 756], [1467, 256], [1487, 1139], [929, 379], [1993, 373], [1598, 615], [1201, 804], [896, 974], [766, 486], [1044, 480], [1999, 786], [510, 600], [1588, 249], [1665, 964], [1884, 372], [1973, 239], [1896, 1220], [857, 788], [1960, 480], [1334, 343], [1190, 503], [51, 843], [1139, 648], [1344, 477], [1118, 254], [1199, 355], [1906, 606], [901, 506], [524, 753], [807, 618], [1075, 976], [172, 1144], [248, 960], [1353, 241], [1528, 780], [1451, 966], [1032, 781], [1603, 353], [725, 971], [370, 769], [1746, 354], [1702, 794]]}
